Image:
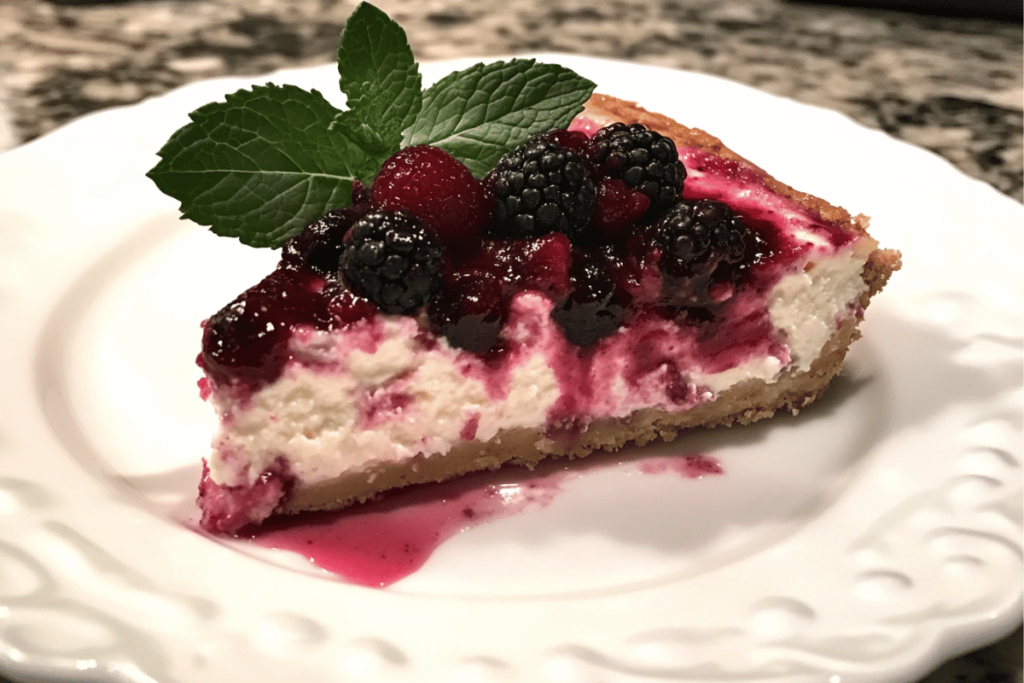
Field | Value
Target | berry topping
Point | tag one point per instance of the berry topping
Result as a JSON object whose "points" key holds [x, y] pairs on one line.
{"points": [[537, 263], [696, 236], [541, 263], [644, 159], [247, 339], [393, 260], [320, 244], [570, 139], [618, 206], [438, 189], [471, 310], [702, 245], [594, 308], [228, 509], [540, 187], [345, 306]]}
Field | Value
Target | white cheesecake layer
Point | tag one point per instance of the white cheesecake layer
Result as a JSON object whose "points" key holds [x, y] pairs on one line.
{"points": [[375, 392]]}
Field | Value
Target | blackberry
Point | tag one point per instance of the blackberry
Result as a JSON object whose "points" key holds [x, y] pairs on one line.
{"points": [[696, 236], [594, 308], [642, 158], [393, 260], [701, 242], [542, 186], [320, 244]]}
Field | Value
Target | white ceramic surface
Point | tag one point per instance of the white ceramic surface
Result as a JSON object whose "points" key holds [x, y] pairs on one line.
{"points": [[863, 540]]}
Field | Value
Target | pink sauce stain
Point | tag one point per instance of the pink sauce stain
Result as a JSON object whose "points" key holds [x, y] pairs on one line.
{"points": [[378, 543], [468, 432], [204, 388], [689, 467], [383, 406]]}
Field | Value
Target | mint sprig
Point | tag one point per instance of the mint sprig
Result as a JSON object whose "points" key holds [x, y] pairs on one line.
{"points": [[380, 78], [265, 162], [250, 165], [480, 113]]}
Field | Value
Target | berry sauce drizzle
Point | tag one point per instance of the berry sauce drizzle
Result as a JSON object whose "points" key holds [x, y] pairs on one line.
{"points": [[378, 543], [595, 291]]}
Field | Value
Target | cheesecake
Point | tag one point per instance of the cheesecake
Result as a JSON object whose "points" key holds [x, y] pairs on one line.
{"points": [[615, 281]]}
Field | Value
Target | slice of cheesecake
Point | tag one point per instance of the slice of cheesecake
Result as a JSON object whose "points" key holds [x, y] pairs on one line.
{"points": [[616, 282]]}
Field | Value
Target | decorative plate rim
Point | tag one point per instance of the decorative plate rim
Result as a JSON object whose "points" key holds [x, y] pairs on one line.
{"points": [[854, 596]]}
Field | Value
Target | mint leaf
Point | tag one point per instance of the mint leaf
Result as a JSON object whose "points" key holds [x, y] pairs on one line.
{"points": [[479, 114], [381, 79], [261, 165], [265, 162]]}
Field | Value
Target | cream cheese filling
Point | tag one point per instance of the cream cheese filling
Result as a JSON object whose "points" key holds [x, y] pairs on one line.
{"points": [[373, 393]]}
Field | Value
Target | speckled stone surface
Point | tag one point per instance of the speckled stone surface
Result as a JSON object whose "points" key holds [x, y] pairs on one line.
{"points": [[951, 85]]}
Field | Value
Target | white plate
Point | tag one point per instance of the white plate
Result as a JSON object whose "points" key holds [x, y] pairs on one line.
{"points": [[863, 540]]}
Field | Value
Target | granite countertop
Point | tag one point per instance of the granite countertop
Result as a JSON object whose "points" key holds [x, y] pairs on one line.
{"points": [[952, 85]]}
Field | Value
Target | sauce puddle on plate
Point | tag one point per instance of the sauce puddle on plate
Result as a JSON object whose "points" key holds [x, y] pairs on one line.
{"points": [[380, 542]]}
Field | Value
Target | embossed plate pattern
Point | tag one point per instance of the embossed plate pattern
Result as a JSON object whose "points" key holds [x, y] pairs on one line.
{"points": [[862, 540]]}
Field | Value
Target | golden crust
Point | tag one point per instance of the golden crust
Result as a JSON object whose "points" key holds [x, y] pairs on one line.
{"points": [[747, 402]]}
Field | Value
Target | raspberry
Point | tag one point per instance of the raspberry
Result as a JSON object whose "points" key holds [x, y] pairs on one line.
{"points": [[538, 263], [393, 260], [541, 263], [644, 159], [618, 206], [438, 189], [595, 307], [541, 187], [320, 244]]}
